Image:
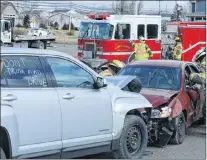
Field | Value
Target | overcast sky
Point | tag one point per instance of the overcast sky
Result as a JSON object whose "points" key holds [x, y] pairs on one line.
{"points": [[169, 5]]}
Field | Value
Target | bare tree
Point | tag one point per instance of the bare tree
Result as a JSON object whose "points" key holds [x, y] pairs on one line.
{"points": [[140, 6], [126, 7], [180, 12]]}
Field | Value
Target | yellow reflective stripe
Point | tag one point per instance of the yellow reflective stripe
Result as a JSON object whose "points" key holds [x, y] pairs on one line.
{"points": [[203, 75]]}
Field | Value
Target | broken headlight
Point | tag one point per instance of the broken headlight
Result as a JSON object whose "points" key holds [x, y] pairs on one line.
{"points": [[162, 112]]}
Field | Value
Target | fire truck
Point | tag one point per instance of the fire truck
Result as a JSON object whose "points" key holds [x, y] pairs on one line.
{"points": [[192, 34], [106, 37]]}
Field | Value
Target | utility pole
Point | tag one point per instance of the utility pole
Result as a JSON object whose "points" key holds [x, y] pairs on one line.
{"points": [[122, 7], [70, 18], [159, 7]]}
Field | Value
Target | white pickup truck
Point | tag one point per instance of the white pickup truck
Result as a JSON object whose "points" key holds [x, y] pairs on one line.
{"points": [[54, 105], [30, 41]]}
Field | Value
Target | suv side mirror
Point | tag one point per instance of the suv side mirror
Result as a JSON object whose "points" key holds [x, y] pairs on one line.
{"points": [[100, 83]]}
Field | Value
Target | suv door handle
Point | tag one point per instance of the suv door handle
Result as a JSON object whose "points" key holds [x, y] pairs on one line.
{"points": [[68, 96], [9, 97]]}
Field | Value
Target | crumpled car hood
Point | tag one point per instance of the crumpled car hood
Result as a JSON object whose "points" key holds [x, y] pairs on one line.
{"points": [[157, 97]]}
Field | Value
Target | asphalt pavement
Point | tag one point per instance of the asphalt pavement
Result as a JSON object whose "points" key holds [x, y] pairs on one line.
{"points": [[194, 146]]}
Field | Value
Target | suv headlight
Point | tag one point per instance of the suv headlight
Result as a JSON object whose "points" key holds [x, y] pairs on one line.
{"points": [[162, 112]]}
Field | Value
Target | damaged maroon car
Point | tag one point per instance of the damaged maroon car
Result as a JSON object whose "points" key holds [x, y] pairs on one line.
{"points": [[177, 101]]}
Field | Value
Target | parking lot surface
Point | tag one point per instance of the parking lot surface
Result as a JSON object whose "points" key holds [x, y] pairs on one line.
{"points": [[194, 146]]}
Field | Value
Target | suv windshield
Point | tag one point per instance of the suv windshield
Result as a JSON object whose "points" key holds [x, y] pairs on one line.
{"points": [[96, 30], [156, 77]]}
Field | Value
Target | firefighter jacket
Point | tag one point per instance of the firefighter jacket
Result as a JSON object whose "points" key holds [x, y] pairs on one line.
{"points": [[177, 53], [106, 72], [142, 51]]}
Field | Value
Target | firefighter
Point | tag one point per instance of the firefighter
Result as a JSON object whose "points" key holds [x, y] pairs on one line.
{"points": [[113, 68], [169, 53], [177, 52], [141, 50], [197, 77]]}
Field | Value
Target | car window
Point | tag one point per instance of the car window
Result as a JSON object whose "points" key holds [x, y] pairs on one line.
{"points": [[156, 77], [68, 74], [23, 71]]}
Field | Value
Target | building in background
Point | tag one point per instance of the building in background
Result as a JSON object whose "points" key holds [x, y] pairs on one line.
{"points": [[65, 17], [8, 10], [198, 10]]}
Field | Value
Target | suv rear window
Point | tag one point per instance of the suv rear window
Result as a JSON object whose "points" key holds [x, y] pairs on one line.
{"points": [[23, 71]]}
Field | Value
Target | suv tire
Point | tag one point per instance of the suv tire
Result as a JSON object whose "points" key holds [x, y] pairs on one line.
{"points": [[133, 140]]}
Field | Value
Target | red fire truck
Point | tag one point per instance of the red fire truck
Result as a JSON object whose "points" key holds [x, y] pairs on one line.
{"points": [[106, 36], [192, 34]]}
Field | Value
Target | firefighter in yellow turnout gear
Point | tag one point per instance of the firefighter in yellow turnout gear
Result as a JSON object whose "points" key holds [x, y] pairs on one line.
{"points": [[200, 77], [141, 50], [113, 68], [177, 52]]}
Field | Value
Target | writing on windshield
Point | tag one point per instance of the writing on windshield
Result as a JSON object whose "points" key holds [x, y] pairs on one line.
{"points": [[156, 77], [96, 30]]}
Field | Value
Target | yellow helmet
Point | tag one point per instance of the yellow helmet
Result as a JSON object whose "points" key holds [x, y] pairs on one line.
{"points": [[177, 38], [117, 63]]}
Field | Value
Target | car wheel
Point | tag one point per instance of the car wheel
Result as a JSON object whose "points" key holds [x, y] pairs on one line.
{"points": [[180, 132], [41, 45], [133, 140], [2, 155]]}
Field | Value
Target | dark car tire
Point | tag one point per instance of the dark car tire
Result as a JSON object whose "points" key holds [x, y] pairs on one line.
{"points": [[180, 132], [2, 155], [133, 125]]}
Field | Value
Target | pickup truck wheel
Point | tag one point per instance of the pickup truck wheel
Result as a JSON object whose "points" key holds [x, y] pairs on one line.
{"points": [[133, 140], [42, 45], [3, 155], [179, 134]]}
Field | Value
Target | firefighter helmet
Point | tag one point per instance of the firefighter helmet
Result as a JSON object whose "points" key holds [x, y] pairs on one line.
{"points": [[117, 64], [177, 39]]}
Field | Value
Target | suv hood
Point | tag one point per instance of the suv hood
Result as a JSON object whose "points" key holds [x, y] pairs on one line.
{"points": [[158, 97], [116, 88], [126, 83]]}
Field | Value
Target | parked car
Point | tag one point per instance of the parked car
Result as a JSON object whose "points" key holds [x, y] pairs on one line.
{"points": [[54, 105], [38, 32], [177, 101]]}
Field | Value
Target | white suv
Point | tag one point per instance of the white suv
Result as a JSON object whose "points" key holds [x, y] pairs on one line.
{"points": [[54, 105]]}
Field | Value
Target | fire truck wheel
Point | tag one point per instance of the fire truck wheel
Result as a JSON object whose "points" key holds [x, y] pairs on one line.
{"points": [[180, 132], [42, 45], [133, 140]]}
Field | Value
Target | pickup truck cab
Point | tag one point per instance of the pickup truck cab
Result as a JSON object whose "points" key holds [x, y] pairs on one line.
{"points": [[54, 105]]}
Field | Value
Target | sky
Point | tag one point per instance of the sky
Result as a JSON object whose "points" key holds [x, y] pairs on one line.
{"points": [[169, 5]]}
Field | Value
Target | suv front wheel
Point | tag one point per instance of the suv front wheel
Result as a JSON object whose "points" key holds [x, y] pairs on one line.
{"points": [[133, 140]]}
